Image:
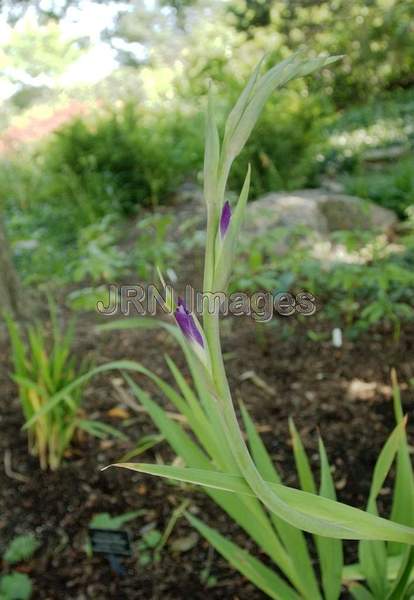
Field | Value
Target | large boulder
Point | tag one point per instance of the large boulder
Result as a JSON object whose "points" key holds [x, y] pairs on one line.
{"points": [[320, 210]]}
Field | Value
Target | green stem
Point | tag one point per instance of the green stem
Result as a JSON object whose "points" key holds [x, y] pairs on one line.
{"points": [[210, 251], [235, 436], [220, 384], [213, 215], [230, 423]]}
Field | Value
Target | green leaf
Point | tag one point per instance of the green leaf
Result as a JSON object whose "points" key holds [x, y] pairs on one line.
{"points": [[106, 521], [226, 256], [211, 155], [195, 415], [276, 77], [384, 462], [292, 538], [127, 365], [262, 577], [21, 548], [146, 442], [353, 572], [152, 538], [319, 515], [361, 593], [247, 512], [16, 586], [404, 575], [144, 558], [181, 443], [373, 555], [101, 430], [403, 497], [306, 480], [237, 111], [132, 323], [329, 550]]}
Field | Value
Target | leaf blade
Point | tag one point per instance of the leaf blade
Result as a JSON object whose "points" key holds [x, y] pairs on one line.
{"points": [[322, 516]]}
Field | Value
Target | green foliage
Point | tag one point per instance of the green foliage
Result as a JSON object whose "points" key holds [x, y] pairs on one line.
{"points": [[374, 37], [153, 248], [146, 442], [39, 49], [374, 287], [21, 548], [46, 251], [126, 159], [370, 148], [360, 137], [119, 160], [240, 476], [16, 586], [374, 556], [283, 150], [303, 578], [63, 203], [391, 186], [43, 368], [40, 370], [152, 538], [106, 521], [86, 299], [382, 121], [147, 546], [42, 227], [97, 257]]}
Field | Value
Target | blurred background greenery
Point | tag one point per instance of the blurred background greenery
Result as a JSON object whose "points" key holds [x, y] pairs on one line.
{"points": [[101, 152], [102, 117]]}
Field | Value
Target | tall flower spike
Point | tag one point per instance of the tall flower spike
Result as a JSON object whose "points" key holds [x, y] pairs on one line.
{"points": [[187, 324], [225, 219]]}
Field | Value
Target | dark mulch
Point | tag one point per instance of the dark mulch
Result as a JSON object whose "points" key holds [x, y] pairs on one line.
{"points": [[345, 393]]}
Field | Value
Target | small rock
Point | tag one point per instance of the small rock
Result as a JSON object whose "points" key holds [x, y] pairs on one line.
{"points": [[184, 544]]}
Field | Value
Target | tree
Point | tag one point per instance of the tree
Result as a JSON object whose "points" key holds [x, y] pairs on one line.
{"points": [[34, 50], [32, 56], [375, 38], [11, 298]]}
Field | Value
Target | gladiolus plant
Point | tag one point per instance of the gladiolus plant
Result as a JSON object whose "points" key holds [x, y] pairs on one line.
{"points": [[240, 476]]}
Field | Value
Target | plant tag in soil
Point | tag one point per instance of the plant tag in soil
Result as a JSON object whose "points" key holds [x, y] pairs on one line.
{"points": [[113, 542]]}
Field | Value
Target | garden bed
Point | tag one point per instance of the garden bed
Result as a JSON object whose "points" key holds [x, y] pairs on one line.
{"points": [[344, 392]]}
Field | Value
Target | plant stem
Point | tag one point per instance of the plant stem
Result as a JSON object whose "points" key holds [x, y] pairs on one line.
{"points": [[229, 418]]}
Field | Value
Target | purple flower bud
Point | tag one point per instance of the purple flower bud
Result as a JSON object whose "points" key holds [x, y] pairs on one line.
{"points": [[187, 324], [225, 219]]}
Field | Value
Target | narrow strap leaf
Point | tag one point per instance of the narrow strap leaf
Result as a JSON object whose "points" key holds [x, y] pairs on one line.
{"points": [[262, 577], [319, 515]]}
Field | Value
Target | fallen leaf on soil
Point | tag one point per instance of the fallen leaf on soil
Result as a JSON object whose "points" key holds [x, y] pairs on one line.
{"points": [[258, 381], [340, 485], [142, 489], [362, 390], [106, 444], [118, 413]]}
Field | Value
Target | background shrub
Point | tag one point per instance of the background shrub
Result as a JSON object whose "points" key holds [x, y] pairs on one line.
{"points": [[126, 159]]}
